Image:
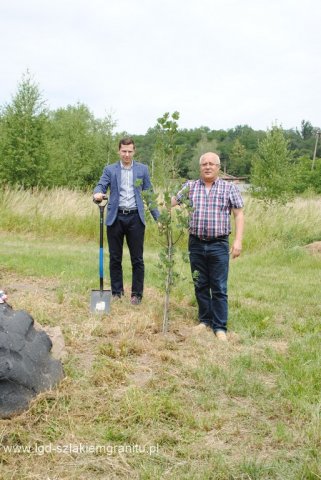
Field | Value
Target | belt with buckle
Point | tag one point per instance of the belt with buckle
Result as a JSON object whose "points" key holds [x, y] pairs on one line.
{"points": [[210, 239], [127, 211]]}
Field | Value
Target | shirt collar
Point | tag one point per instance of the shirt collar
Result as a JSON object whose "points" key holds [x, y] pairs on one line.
{"points": [[203, 183], [126, 168]]}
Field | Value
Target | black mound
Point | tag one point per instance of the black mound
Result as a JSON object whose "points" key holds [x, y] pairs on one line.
{"points": [[26, 365]]}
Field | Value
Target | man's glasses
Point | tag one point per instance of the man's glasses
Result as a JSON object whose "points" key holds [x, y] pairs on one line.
{"points": [[210, 165]]}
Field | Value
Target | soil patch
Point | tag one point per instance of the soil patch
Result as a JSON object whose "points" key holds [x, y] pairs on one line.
{"points": [[314, 248]]}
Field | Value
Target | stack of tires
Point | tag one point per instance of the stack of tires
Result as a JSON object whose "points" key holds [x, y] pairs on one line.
{"points": [[26, 365]]}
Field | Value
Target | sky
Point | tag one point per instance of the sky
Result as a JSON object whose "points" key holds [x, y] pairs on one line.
{"points": [[219, 63]]}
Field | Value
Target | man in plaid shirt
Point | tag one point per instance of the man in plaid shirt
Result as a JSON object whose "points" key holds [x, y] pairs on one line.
{"points": [[212, 200]]}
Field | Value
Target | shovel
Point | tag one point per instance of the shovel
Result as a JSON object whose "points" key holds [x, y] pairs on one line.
{"points": [[100, 299]]}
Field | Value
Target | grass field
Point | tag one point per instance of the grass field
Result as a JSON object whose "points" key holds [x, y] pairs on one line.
{"points": [[139, 404]]}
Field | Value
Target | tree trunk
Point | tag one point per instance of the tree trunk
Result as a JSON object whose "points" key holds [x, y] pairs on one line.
{"points": [[168, 282]]}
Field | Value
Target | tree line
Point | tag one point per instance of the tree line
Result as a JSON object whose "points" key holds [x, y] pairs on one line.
{"points": [[69, 147]]}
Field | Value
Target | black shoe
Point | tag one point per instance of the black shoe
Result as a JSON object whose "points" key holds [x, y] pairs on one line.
{"points": [[116, 296]]}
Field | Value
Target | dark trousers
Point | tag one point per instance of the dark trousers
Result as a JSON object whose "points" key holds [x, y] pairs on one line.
{"points": [[209, 264], [131, 227]]}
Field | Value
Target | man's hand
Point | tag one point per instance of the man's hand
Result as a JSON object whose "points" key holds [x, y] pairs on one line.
{"points": [[98, 197], [239, 227], [236, 249], [174, 202]]}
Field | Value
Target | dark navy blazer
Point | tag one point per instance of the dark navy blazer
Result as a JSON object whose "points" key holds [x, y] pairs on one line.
{"points": [[111, 179]]}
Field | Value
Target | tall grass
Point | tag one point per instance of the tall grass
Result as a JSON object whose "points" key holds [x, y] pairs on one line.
{"points": [[61, 212], [51, 213], [295, 224]]}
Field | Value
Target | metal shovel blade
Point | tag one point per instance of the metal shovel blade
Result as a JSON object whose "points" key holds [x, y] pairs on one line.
{"points": [[100, 301]]}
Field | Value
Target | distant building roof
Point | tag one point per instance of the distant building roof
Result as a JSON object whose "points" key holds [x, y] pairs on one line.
{"points": [[233, 178]]}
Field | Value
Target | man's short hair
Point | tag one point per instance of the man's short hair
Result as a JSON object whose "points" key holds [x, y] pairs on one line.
{"points": [[211, 153], [126, 141]]}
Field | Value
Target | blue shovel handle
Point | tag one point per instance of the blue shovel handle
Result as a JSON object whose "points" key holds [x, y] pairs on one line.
{"points": [[101, 206]]}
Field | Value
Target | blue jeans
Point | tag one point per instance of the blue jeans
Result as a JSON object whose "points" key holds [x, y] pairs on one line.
{"points": [[209, 264]]}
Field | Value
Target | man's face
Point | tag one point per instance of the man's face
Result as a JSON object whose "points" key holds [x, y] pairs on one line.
{"points": [[209, 167], [126, 153]]}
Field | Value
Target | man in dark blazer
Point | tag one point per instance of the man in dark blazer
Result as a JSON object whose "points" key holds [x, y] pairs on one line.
{"points": [[126, 180]]}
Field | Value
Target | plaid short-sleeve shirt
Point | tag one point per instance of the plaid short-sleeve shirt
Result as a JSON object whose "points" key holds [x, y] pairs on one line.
{"points": [[211, 212]]}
